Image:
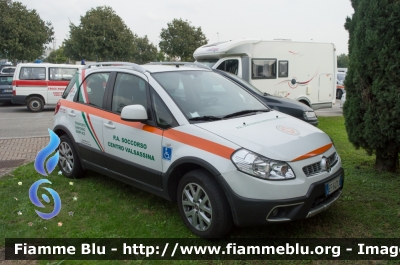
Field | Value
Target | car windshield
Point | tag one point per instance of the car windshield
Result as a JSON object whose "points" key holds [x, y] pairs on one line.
{"points": [[241, 81], [207, 94], [210, 63]]}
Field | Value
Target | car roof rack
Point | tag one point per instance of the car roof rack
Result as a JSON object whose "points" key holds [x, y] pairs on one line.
{"points": [[135, 67], [190, 64]]}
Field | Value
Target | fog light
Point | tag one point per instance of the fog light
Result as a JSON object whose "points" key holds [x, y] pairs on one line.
{"points": [[275, 212]]}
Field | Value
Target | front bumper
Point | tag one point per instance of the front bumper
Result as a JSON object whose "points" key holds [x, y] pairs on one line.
{"points": [[21, 100], [248, 212], [312, 122]]}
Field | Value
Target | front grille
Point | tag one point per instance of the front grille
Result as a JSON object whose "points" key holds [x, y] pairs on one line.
{"points": [[315, 168]]}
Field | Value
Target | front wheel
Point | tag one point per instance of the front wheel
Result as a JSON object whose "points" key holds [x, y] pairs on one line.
{"points": [[203, 206], [35, 104], [69, 163]]}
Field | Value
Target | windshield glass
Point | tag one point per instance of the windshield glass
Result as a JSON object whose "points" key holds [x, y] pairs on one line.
{"points": [[240, 80], [201, 93], [210, 62], [341, 77]]}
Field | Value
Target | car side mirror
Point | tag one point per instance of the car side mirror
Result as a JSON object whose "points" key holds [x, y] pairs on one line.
{"points": [[134, 113]]}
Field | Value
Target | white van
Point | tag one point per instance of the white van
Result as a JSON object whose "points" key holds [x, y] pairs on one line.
{"points": [[41, 84], [303, 71]]}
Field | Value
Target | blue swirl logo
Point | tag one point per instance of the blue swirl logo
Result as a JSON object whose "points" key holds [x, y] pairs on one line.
{"points": [[35, 200], [45, 152]]}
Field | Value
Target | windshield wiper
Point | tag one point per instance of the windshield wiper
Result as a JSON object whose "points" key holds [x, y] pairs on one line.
{"points": [[244, 112], [205, 118]]}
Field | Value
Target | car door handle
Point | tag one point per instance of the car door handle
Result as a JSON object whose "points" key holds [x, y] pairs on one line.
{"points": [[72, 114], [110, 126]]}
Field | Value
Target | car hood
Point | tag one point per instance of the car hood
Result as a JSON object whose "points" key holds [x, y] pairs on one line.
{"points": [[272, 134]]}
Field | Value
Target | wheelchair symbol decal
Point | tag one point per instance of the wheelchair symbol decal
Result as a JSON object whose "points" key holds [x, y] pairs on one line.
{"points": [[166, 153]]}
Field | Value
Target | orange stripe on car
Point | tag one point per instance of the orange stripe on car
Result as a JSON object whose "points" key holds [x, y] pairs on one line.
{"points": [[200, 143], [315, 152], [185, 138], [108, 115]]}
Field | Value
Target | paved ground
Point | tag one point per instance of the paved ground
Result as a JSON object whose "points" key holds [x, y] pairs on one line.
{"points": [[18, 121], [334, 111], [19, 151], [22, 133]]}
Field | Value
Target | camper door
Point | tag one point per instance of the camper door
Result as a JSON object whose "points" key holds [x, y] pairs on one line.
{"points": [[232, 65]]}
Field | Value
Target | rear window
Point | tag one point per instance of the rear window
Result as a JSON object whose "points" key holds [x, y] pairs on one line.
{"points": [[71, 84], [32, 73], [7, 70], [6, 80]]}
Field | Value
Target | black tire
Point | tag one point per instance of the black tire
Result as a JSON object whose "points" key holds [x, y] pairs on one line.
{"points": [[35, 104], [339, 93], [218, 212], [69, 163]]}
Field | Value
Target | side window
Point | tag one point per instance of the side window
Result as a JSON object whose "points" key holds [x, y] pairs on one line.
{"points": [[56, 73], [32, 73], [92, 89], [230, 66], [164, 117], [283, 69], [128, 90], [70, 85], [263, 68]]}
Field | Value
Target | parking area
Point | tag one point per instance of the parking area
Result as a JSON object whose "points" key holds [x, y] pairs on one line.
{"points": [[23, 133], [18, 121]]}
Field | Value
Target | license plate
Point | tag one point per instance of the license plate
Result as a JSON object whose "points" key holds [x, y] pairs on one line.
{"points": [[6, 90], [333, 185]]}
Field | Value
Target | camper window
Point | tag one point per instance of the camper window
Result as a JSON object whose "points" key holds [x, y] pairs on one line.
{"points": [[283, 69], [263, 68]]}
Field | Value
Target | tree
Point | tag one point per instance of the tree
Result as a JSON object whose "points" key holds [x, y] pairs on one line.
{"points": [[160, 56], [23, 34], [342, 61], [101, 36], [144, 51], [372, 108], [180, 39], [57, 56]]}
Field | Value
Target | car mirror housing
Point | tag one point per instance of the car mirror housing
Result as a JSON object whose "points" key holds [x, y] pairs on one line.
{"points": [[134, 113]]}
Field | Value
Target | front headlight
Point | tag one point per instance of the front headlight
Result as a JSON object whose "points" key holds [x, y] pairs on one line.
{"points": [[261, 167], [309, 115]]}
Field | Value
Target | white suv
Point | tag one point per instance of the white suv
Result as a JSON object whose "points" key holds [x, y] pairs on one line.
{"points": [[193, 136]]}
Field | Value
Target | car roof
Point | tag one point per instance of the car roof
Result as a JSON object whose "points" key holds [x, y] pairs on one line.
{"points": [[170, 68], [151, 68]]}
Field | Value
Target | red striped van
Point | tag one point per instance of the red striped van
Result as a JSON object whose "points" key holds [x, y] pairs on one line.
{"points": [[37, 85]]}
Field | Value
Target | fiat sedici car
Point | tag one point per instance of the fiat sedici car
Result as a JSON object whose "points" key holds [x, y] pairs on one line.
{"points": [[194, 137]]}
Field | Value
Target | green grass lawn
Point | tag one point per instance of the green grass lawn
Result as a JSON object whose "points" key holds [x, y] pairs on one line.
{"points": [[369, 206]]}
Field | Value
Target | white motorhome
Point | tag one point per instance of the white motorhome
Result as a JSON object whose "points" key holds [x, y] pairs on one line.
{"points": [[303, 71]]}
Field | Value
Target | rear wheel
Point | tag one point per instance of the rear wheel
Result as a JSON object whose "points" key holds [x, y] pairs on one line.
{"points": [[203, 206], [35, 104], [69, 163], [339, 93]]}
